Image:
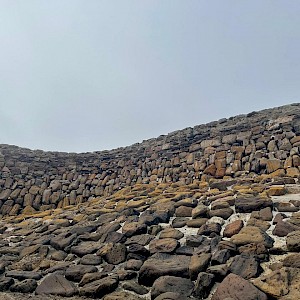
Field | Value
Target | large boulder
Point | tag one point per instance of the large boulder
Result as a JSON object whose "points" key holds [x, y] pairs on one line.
{"points": [[171, 296], [245, 266], [199, 211], [55, 284], [237, 288]]}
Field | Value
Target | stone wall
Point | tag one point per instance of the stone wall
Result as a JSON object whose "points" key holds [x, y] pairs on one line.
{"points": [[265, 142]]}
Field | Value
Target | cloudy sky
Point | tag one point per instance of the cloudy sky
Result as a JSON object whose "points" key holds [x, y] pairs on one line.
{"points": [[78, 75]]}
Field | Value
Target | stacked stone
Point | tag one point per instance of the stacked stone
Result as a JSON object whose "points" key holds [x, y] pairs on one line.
{"points": [[169, 241], [265, 142]]}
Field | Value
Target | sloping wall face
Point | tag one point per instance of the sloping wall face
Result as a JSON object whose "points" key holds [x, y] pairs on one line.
{"points": [[265, 142]]}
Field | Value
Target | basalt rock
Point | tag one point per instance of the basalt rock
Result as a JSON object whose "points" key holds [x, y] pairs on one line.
{"points": [[227, 147], [93, 223], [164, 284], [56, 285], [163, 264], [235, 287]]}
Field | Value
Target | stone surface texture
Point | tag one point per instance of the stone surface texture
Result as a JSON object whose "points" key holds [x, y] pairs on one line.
{"points": [[209, 212]]}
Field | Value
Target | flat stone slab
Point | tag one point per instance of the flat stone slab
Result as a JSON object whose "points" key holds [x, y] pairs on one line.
{"points": [[249, 204], [162, 264], [236, 287], [56, 285], [164, 284]]}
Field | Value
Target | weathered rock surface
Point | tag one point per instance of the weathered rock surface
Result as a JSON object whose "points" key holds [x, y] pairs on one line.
{"points": [[75, 273], [233, 228], [99, 288], [161, 265], [251, 234], [193, 205], [56, 285], [203, 285], [198, 264], [293, 241], [166, 245], [280, 284], [174, 284], [235, 287], [249, 204], [245, 266]]}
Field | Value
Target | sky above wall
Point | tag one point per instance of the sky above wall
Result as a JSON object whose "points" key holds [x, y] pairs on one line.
{"points": [[81, 76]]}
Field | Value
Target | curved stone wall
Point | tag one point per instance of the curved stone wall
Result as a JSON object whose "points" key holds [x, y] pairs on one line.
{"points": [[265, 142]]}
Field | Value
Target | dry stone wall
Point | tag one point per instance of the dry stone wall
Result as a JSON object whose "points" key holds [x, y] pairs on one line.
{"points": [[264, 142]]}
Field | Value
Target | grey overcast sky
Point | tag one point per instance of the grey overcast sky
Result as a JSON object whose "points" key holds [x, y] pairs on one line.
{"points": [[78, 75]]}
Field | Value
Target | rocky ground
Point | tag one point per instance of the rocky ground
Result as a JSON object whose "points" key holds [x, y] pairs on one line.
{"points": [[222, 239]]}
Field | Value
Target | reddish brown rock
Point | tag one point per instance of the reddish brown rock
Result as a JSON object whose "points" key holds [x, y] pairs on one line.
{"points": [[233, 228], [258, 250], [171, 233]]}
